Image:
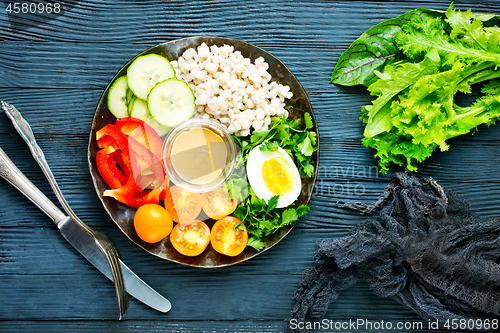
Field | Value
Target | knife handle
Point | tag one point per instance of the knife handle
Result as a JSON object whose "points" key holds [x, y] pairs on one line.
{"points": [[13, 175]]}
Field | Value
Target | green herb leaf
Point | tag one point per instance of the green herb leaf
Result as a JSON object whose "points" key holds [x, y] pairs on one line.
{"points": [[256, 243], [257, 204], [240, 213], [305, 147], [289, 216], [272, 203], [240, 226], [295, 125], [307, 169], [258, 136], [308, 120], [270, 146], [302, 210]]}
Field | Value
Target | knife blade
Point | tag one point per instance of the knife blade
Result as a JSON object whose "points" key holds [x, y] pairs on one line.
{"points": [[84, 243]]}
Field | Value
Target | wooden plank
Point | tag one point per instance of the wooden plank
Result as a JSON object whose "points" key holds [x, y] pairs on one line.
{"points": [[22, 248], [124, 22], [208, 326], [271, 20], [93, 65], [198, 297], [45, 285], [66, 285]]}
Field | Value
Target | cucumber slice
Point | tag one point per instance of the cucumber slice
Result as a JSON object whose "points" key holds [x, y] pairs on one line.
{"points": [[117, 97], [139, 109], [130, 94], [130, 104], [146, 71], [171, 102]]}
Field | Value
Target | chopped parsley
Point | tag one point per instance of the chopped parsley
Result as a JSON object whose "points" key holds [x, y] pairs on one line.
{"points": [[262, 218]]}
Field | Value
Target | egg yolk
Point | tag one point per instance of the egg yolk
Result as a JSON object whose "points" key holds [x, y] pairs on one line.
{"points": [[278, 176]]}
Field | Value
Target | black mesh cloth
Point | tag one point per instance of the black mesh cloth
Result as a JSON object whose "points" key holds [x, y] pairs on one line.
{"points": [[426, 250]]}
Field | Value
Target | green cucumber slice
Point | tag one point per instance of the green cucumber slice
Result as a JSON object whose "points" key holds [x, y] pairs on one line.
{"points": [[171, 102], [130, 94], [130, 104], [146, 71], [117, 97], [139, 109]]}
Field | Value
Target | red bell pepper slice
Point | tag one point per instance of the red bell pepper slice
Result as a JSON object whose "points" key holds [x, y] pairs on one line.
{"points": [[139, 167], [121, 163], [145, 197], [145, 163], [142, 133], [126, 192], [107, 141], [106, 164]]}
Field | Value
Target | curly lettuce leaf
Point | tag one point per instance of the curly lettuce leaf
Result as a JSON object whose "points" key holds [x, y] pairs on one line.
{"points": [[485, 110], [426, 110], [468, 41], [392, 147], [395, 79]]}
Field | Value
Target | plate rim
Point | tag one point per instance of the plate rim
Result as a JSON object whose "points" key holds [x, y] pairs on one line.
{"points": [[192, 39]]}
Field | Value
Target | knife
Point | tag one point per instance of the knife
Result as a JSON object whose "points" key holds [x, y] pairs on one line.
{"points": [[80, 238], [77, 233]]}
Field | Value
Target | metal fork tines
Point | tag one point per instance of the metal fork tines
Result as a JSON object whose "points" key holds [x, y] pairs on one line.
{"points": [[104, 242]]}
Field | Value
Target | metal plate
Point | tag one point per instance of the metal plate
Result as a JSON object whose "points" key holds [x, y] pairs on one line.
{"points": [[123, 215]]}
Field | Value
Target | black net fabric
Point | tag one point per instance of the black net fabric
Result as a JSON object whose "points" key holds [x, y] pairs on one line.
{"points": [[426, 250]]}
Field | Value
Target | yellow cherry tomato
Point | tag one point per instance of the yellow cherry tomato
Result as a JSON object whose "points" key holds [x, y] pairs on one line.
{"points": [[152, 223], [190, 239], [226, 238], [218, 203]]}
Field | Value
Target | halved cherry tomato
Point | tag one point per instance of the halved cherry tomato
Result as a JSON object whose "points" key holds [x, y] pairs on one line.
{"points": [[192, 239], [152, 223], [218, 203], [226, 238], [183, 206]]}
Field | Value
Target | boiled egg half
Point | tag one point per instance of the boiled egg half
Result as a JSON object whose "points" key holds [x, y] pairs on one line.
{"points": [[273, 173]]}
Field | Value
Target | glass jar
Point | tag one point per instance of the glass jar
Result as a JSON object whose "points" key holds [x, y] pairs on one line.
{"points": [[199, 155]]}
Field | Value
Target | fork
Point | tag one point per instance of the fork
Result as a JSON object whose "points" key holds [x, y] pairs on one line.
{"points": [[104, 242]]}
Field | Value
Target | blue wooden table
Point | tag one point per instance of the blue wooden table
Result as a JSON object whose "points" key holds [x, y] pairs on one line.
{"points": [[54, 70]]}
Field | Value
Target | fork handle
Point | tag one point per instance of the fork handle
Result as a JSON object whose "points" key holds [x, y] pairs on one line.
{"points": [[24, 129], [13, 175]]}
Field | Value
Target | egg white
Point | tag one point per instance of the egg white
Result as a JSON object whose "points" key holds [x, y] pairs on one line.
{"points": [[255, 161]]}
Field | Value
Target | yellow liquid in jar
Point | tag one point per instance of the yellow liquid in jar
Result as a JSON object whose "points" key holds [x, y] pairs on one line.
{"points": [[199, 155]]}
